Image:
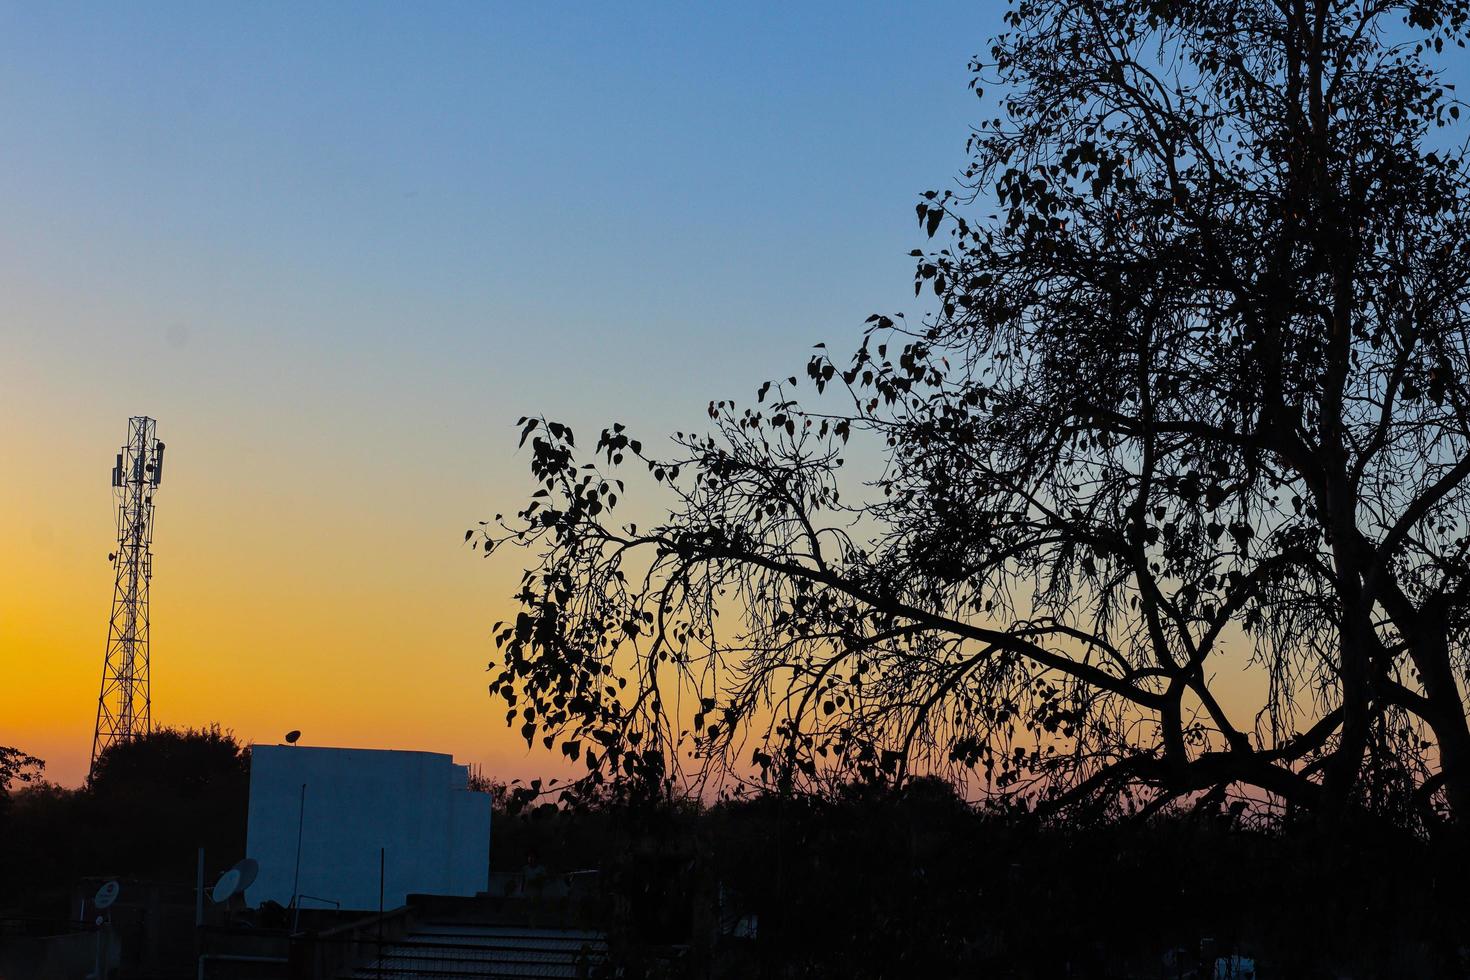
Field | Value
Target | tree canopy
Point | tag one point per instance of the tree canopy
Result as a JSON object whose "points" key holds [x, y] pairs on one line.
{"points": [[151, 802], [173, 789], [1174, 496], [17, 766]]}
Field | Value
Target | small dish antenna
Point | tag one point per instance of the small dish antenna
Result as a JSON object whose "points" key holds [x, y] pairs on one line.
{"points": [[106, 895], [292, 736], [248, 868], [235, 881], [228, 884]]}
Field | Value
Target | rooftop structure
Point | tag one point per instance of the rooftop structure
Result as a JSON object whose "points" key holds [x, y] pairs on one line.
{"points": [[330, 827]]}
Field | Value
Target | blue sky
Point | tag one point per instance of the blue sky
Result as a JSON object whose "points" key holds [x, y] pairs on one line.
{"points": [[590, 188]]}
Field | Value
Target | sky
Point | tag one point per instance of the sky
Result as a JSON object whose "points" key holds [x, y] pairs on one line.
{"points": [[338, 249]]}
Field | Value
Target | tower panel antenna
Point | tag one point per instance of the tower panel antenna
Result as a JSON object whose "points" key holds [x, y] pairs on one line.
{"points": [[124, 708]]}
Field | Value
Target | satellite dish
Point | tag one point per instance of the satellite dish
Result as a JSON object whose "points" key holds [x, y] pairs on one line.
{"points": [[106, 895], [248, 869], [235, 880], [292, 736], [228, 884]]}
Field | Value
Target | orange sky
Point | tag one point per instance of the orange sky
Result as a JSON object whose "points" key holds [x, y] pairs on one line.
{"points": [[305, 577], [350, 615]]}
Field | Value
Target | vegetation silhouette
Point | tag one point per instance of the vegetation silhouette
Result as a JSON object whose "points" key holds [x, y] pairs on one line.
{"points": [[877, 880], [151, 803], [871, 879], [1173, 510], [16, 767]]}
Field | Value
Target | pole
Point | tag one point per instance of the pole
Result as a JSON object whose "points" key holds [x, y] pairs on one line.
{"points": [[199, 891], [296, 880], [199, 913], [104, 947], [382, 863]]}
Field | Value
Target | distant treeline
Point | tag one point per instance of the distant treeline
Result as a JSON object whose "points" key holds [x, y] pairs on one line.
{"points": [[871, 881], [909, 882]]}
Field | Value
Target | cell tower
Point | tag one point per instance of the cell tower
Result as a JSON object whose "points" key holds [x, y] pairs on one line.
{"points": [[124, 706]]}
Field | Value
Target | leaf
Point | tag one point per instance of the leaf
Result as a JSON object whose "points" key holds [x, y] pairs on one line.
{"points": [[936, 215]]}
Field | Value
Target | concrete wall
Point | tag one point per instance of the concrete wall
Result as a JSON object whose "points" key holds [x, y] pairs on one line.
{"points": [[435, 832]]}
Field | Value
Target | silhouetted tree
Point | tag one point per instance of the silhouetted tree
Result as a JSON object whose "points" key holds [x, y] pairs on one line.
{"points": [[181, 762], [15, 767], [1194, 400], [150, 803], [169, 792]]}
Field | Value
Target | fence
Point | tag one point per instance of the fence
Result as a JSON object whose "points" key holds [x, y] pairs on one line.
{"points": [[402, 959]]}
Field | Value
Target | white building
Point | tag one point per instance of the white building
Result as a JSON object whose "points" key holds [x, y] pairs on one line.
{"points": [[348, 805]]}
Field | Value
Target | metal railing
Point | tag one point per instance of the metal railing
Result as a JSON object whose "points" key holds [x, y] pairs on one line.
{"points": [[410, 958], [327, 954]]}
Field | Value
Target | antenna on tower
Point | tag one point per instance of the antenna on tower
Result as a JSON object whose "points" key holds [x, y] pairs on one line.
{"points": [[124, 708]]}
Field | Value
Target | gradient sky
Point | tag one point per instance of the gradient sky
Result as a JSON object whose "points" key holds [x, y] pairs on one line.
{"points": [[338, 249]]}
